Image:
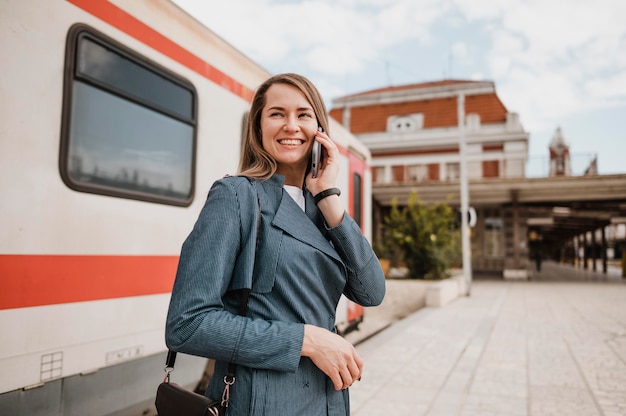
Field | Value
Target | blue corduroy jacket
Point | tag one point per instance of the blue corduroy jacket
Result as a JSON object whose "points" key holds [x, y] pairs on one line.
{"points": [[301, 270]]}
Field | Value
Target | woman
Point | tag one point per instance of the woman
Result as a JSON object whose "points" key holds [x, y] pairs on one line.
{"points": [[289, 360]]}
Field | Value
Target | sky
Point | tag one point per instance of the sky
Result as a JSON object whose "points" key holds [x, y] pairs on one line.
{"points": [[557, 63]]}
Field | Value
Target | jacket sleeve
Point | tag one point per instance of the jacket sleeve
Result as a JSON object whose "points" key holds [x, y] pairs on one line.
{"points": [[366, 280], [197, 321]]}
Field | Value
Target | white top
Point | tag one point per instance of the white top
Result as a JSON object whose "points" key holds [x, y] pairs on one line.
{"points": [[296, 194]]}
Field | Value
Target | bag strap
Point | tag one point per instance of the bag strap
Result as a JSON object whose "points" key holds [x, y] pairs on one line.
{"points": [[229, 379]]}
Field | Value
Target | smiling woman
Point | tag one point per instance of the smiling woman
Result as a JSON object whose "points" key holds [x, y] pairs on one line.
{"points": [[289, 358]]}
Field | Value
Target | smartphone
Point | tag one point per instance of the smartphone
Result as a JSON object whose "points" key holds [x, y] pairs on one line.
{"points": [[316, 156]]}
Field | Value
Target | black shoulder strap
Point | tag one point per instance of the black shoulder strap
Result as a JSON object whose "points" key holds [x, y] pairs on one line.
{"points": [[245, 294]]}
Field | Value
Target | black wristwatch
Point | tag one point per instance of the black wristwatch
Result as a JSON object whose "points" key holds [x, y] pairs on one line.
{"points": [[328, 192]]}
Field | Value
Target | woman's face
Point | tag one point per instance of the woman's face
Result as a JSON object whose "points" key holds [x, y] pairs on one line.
{"points": [[288, 127]]}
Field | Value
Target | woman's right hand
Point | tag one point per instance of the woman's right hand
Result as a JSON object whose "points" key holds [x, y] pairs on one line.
{"points": [[332, 354]]}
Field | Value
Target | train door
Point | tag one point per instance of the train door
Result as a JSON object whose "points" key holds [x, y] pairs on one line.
{"points": [[355, 209]]}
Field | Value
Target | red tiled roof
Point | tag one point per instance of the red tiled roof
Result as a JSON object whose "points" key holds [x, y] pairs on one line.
{"points": [[412, 87], [438, 112]]}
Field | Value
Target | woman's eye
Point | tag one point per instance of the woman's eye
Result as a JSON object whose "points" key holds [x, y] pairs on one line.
{"points": [[306, 115]]}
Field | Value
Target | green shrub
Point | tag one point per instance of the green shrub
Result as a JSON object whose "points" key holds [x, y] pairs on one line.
{"points": [[425, 235]]}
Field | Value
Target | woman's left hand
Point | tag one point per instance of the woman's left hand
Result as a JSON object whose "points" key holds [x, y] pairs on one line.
{"points": [[333, 354]]}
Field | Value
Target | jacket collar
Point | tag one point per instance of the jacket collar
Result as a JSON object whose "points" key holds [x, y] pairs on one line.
{"points": [[290, 218]]}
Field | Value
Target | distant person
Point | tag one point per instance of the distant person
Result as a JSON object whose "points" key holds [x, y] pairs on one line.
{"points": [[538, 260], [289, 360]]}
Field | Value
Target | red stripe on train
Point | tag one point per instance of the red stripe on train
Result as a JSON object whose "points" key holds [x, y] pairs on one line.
{"points": [[118, 18], [113, 15], [37, 280]]}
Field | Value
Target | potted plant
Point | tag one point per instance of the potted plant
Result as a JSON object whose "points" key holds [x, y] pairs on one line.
{"points": [[426, 235], [384, 256]]}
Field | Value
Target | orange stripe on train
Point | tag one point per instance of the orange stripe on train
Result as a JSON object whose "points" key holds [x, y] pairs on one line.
{"points": [[38, 280], [128, 24]]}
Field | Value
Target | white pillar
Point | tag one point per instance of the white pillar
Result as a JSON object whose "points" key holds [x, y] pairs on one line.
{"points": [[467, 256]]}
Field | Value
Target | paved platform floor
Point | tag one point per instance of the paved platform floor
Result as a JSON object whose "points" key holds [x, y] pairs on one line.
{"points": [[555, 345]]}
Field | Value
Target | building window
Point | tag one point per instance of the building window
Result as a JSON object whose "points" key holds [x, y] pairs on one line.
{"points": [[493, 147], [405, 124], [494, 237], [418, 173], [453, 171], [491, 169], [129, 125], [378, 174], [433, 171], [398, 173]]}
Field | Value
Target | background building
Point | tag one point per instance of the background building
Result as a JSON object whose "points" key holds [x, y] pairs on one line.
{"points": [[413, 133]]}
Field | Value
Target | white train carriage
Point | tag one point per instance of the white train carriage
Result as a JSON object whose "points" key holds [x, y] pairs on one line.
{"points": [[116, 118]]}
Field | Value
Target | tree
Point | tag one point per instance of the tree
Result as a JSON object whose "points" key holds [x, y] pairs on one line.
{"points": [[426, 236]]}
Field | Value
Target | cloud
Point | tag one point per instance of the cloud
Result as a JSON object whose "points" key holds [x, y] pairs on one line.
{"points": [[550, 59], [553, 59], [607, 90], [333, 36]]}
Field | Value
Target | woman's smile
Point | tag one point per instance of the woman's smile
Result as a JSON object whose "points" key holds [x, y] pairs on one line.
{"points": [[291, 142]]}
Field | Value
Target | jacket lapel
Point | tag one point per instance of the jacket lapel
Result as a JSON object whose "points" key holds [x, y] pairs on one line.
{"points": [[302, 226]]}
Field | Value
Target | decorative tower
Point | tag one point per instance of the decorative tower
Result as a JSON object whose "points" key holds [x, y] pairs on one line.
{"points": [[559, 155]]}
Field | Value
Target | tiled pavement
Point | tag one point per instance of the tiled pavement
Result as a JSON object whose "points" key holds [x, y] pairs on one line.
{"points": [[555, 345]]}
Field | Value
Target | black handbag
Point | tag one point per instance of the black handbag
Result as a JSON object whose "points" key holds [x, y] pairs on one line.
{"points": [[175, 400]]}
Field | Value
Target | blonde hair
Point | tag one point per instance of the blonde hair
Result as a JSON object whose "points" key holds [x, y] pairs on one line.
{"points": [[255, 162]]}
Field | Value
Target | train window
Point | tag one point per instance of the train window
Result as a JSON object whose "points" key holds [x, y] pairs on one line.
{"points": [[129, 125], [357, 198]]}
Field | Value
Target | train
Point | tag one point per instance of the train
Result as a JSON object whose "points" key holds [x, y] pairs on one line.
{"points": [[117, 116]]}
